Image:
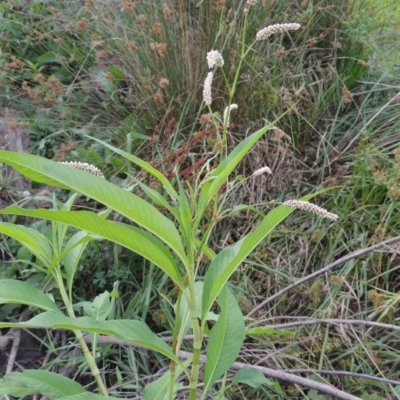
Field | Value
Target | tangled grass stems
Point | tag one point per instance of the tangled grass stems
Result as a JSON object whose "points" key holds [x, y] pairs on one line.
{"points": [[328, 268], [268, 372]]}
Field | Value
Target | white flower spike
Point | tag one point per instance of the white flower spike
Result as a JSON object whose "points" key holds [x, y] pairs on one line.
{"points": [[306, 206], [227, 113], [277, 28], [207, 96], [214, 59], [260, 171]]}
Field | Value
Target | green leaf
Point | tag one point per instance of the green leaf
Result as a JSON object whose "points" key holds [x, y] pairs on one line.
{"points": [[252, 377], [132, 331], [116, 72], [208, 252], [17, 292], [73, 251], [185, 215], [316, 395], [372, 397], [47, 383], [99, 309], [219, 175], [48, 57], [225, 341], [127, 204], [158, 390], [226, 262], [89, 396], [31, 239], [157, 198], [140, 136], [183, 314], [132, 238], [142, 164], [15, 389]]}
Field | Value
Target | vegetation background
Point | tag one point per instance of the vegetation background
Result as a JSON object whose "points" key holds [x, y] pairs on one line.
{"points": [[131, 73]]}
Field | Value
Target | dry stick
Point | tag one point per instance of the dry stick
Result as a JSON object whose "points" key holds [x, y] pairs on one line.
{"points": [[283, 376], [322, 271], [333, 321], [342, 373], [14, 349]]}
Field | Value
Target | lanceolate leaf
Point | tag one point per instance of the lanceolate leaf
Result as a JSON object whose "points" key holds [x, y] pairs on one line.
{"points": [[225, 341], [226, 262], [73, 253], [254, 378], [218, 176], [15, 389], [88, 396], [132, 331], [17, 292], [49, 384], [131, 238], [31, 239], [142, 164], [158, 389], [158, 198], [127, 204], [185, 215]]}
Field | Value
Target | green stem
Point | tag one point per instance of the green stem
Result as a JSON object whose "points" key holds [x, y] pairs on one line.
{"points": [[197, 332], [79, 336], [172, 369], [232, 89], [242, 56], [175, 349], [197, 341]]}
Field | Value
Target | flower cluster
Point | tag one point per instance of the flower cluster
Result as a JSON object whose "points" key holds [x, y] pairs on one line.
{"points": [[260, 171], [306, 206], [277, 28], [84, 167], [214, 59], [227, 113], [207, 96]]}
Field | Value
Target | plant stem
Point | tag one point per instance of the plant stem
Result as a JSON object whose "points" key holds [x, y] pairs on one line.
{"points": [[196, 354], [89, 358], [172, 369], [197, 332], [175, 349]]}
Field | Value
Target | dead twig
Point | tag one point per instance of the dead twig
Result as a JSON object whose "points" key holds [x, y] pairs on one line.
{"points": [[16, 333]]}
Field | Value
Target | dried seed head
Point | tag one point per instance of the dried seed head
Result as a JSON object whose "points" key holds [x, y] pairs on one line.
{"points": [[84, 167], [306, 206], [227, 113], [214, 59], [260, 171], [163, 83], [277, 28], [160, 49], [207, 96]]}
